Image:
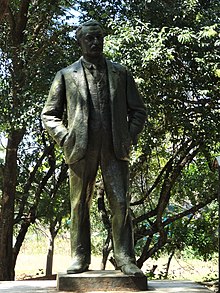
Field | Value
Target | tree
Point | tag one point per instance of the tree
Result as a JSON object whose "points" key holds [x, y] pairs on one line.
{"points": [[55, 206], [172, 49], [3, 8], [41, 192], [31, 40]]}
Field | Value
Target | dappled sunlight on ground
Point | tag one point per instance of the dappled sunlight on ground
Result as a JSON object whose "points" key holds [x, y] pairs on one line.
{"points": [[34, 265], [31, 262]]}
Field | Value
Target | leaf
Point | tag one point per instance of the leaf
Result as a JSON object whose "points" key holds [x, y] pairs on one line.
{"points": [[208, 32], [185, 37]]}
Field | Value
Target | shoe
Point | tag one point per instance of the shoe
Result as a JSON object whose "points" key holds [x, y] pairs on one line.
{"points": [[78, 267], [131, 269]]}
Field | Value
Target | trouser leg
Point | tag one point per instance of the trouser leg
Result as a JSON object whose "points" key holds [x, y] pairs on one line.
{"points": [[82, 179], [115, 176]]}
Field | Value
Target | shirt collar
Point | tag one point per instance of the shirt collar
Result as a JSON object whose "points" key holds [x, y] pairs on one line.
{"points": [[100, 65]]}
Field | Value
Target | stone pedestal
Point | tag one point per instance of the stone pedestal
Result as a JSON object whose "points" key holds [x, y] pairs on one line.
{"points": [[100, 281]]}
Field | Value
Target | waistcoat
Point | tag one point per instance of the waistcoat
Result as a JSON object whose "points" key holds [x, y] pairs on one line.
{"points": [[99, 106]]}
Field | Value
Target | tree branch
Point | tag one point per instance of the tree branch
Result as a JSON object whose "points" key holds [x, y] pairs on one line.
{"points": [[171, 176], [3, 8], [30, 180], [22, 19], [190, 211]]}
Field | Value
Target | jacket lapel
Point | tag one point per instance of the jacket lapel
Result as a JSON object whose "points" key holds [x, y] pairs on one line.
{"points": [[81, 84], [79, 77], [113, 79]]}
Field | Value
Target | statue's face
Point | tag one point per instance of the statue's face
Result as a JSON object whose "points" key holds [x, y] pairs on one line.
{"points": [[91, 41]]}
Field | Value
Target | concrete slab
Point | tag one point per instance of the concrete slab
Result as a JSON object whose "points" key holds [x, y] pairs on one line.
{"points": [[154, 287], [28, 286], [107, 280], [176, 287]]}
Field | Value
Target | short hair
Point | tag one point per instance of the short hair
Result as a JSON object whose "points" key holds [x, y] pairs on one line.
{"points": [[86, 24]]}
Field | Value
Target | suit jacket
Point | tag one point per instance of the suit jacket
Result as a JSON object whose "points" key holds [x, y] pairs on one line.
{"points": [[69, 90]]}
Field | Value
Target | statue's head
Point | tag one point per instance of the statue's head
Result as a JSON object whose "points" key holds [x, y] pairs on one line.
{"points": [[92, 24], [90, 36]]}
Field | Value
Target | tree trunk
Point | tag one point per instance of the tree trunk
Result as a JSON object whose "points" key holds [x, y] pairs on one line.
{"points": [[3, 8], [107, 224], [49, 264], [22, 233], [7, 206], [168, 264], [105, 252]]}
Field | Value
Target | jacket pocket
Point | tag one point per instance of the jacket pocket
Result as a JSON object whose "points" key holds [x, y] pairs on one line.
{"points": [[69, 143]]}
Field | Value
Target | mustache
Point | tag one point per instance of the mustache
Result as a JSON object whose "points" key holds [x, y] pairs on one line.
{"points": [[96, 47]]}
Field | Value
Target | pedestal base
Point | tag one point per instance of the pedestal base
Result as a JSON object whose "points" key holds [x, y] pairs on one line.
{"points": [[100, 281]]}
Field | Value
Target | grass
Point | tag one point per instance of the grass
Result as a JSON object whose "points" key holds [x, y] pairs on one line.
{"points": [[32, 262]]}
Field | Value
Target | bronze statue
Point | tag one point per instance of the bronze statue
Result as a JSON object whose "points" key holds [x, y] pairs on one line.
{"points": [[105, 114]]}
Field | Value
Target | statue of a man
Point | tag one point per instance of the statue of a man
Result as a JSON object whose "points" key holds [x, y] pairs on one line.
{"points": [[104, 114]]}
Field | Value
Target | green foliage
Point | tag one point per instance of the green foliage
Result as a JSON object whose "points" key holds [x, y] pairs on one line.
{"points": [[202, 233], [172, 48], [32, 49], [35, 42]]}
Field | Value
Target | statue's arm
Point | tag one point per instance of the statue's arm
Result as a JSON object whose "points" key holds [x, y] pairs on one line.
{"points": [[52, 114], [136, 109]]}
